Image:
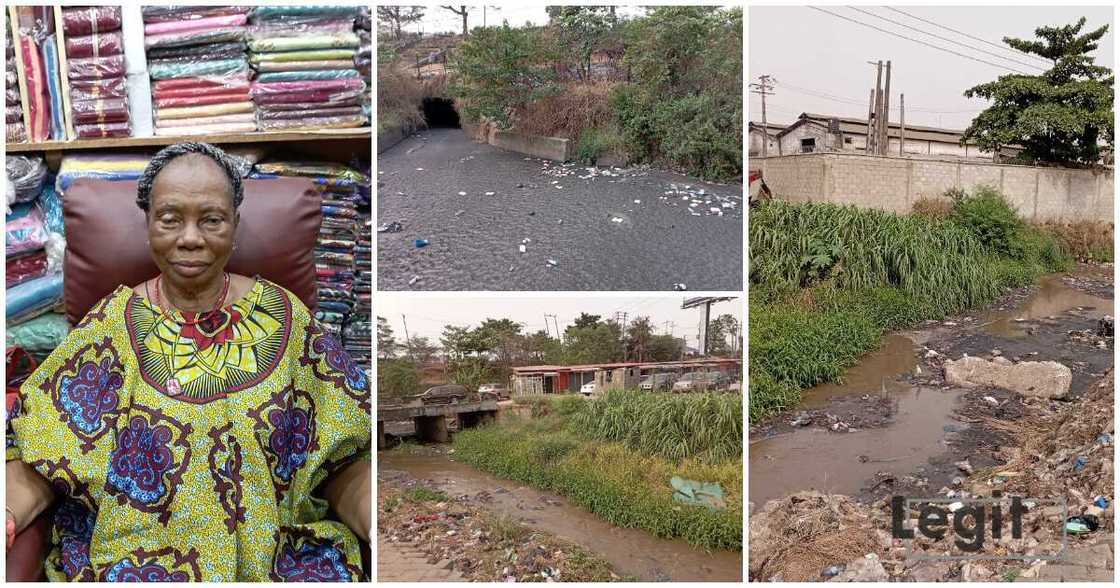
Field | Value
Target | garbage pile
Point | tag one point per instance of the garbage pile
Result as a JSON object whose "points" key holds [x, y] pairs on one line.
{"points": [[700, 202], [481, 546], [1058, 451]]}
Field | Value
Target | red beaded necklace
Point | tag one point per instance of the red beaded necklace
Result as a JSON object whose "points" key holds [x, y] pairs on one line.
{"points": [[200, 316]]}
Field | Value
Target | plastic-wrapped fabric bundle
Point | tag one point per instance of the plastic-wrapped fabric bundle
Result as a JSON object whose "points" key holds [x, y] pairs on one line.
{"points": [[51, 205], [304, 42], [105, 166], [49, 49], [325, 98], [171, 13], [207, 129], [32, 298], [40, 335], [296, 106], [26, 173], [24, 229], [91, 19], [284, 66], [205, 23], [103, 130], [22, 268], [311, 123], [13, 114], [202, 100], [15, 130], [363, 20], [184, 38], [318, 170], [160, 70], [98, 45], [302, 76], [280, 13], [234, 48], [223, 83], [345, 111], [240, 117], [38, 102], [111, 110], [204, 111], [304, 55], [97, 68], [81, 90]]}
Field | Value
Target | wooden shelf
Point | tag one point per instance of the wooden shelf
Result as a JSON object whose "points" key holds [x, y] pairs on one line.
{"points": [[362, 133]]}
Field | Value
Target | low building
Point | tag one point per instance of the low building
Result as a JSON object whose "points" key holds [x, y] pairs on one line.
{"points": [[558, 379], [813, 133], [757, 133]]}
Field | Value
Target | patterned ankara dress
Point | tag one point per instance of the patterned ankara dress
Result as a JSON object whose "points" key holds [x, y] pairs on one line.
{"points": [[194, 452]]}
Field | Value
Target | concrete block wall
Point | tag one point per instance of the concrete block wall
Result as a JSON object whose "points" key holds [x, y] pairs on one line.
{"points": [[890, 183]]}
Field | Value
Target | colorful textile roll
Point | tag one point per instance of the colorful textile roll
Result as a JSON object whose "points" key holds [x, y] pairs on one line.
{"points": [[24, 229], [97, 68], [53, 70], [301, 76], [275, 12], [202, 100], [92, 112], [173, 13], [325, 98], [32, 298], [202, 111], [103, 130], [234, 48], [91, 19], [304, 42], [207, 129], [235, 80], [38, 103], [164, 70], [219, 35], [290, 106], [95, 45], [238, 88], [309, 113], [221, 119], [97, 89], [309, 55], [104, 166], [264, 89], [205, 23], [25, 267], [278, 66]]}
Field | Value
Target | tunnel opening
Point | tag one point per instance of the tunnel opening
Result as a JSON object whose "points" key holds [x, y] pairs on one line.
{"points": [[440, 112]]}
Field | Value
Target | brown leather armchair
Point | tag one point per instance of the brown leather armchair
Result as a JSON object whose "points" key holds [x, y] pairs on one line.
{"points": [[106, 247]]}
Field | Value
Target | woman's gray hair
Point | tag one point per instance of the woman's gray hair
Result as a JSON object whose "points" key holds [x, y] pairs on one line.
{"points": [[172, 152]]}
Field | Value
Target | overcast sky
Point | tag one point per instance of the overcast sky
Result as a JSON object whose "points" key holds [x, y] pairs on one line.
{"points": [[819, 60], [441, 20], [427, 315]]}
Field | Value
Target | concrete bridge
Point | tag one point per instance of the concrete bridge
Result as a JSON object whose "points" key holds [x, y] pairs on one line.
{"points": [[430, 420]]}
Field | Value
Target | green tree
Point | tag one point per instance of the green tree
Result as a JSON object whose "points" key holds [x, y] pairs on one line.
{"points": [[581, 31], [665, 348], [386, 344], [498, 70], [601, 343], [1060, 116], [639, 334], [585, 320], [723, 332], [397, 378]]}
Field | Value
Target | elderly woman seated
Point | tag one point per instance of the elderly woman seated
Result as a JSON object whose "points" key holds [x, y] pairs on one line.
{"points": [[200, 425]]}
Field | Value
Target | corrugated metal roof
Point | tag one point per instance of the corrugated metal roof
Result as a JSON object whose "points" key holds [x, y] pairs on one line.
{"points": [[617, 365], [858, 126]]}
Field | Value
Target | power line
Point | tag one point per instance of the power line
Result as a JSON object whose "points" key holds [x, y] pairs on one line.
{"points": [[827, 96], [973, 37], [930, 45], [916, 29]]}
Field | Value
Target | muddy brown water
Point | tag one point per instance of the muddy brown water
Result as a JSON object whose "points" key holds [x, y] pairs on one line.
{"points": [[629, 551], [814, 458]]}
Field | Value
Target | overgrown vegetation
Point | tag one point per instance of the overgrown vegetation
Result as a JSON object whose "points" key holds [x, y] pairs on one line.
{"points": [[673, 95], [399, 94], [615, 457], [816, 308], [1089, 241]]}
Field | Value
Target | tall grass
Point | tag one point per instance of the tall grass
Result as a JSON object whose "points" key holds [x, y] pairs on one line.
{"points": [[828, 280], [673, 426]]}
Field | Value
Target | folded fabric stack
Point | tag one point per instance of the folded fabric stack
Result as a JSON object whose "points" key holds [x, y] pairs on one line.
{"points": [[199, 69], [16, 131], [334, 252], [357, 333], [100, 165], [95, 57], [36, 47], [306, 77], [32, 231], [363, 59]]}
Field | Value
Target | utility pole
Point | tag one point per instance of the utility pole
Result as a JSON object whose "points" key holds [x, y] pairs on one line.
{"points": [[707, 321], [546, 331], [762, 88], [870, 116], [885, 145], [902, 125], [407, 339], [878, 104]]}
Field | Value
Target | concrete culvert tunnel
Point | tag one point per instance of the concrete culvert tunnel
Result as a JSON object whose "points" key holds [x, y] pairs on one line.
{"points": [[440, 112]]}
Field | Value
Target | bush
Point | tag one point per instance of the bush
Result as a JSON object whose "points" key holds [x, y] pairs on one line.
{"points": [[593, 143], [701, 135], [497, 71], [933, 208], [1090, 241], [991, 219]]}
